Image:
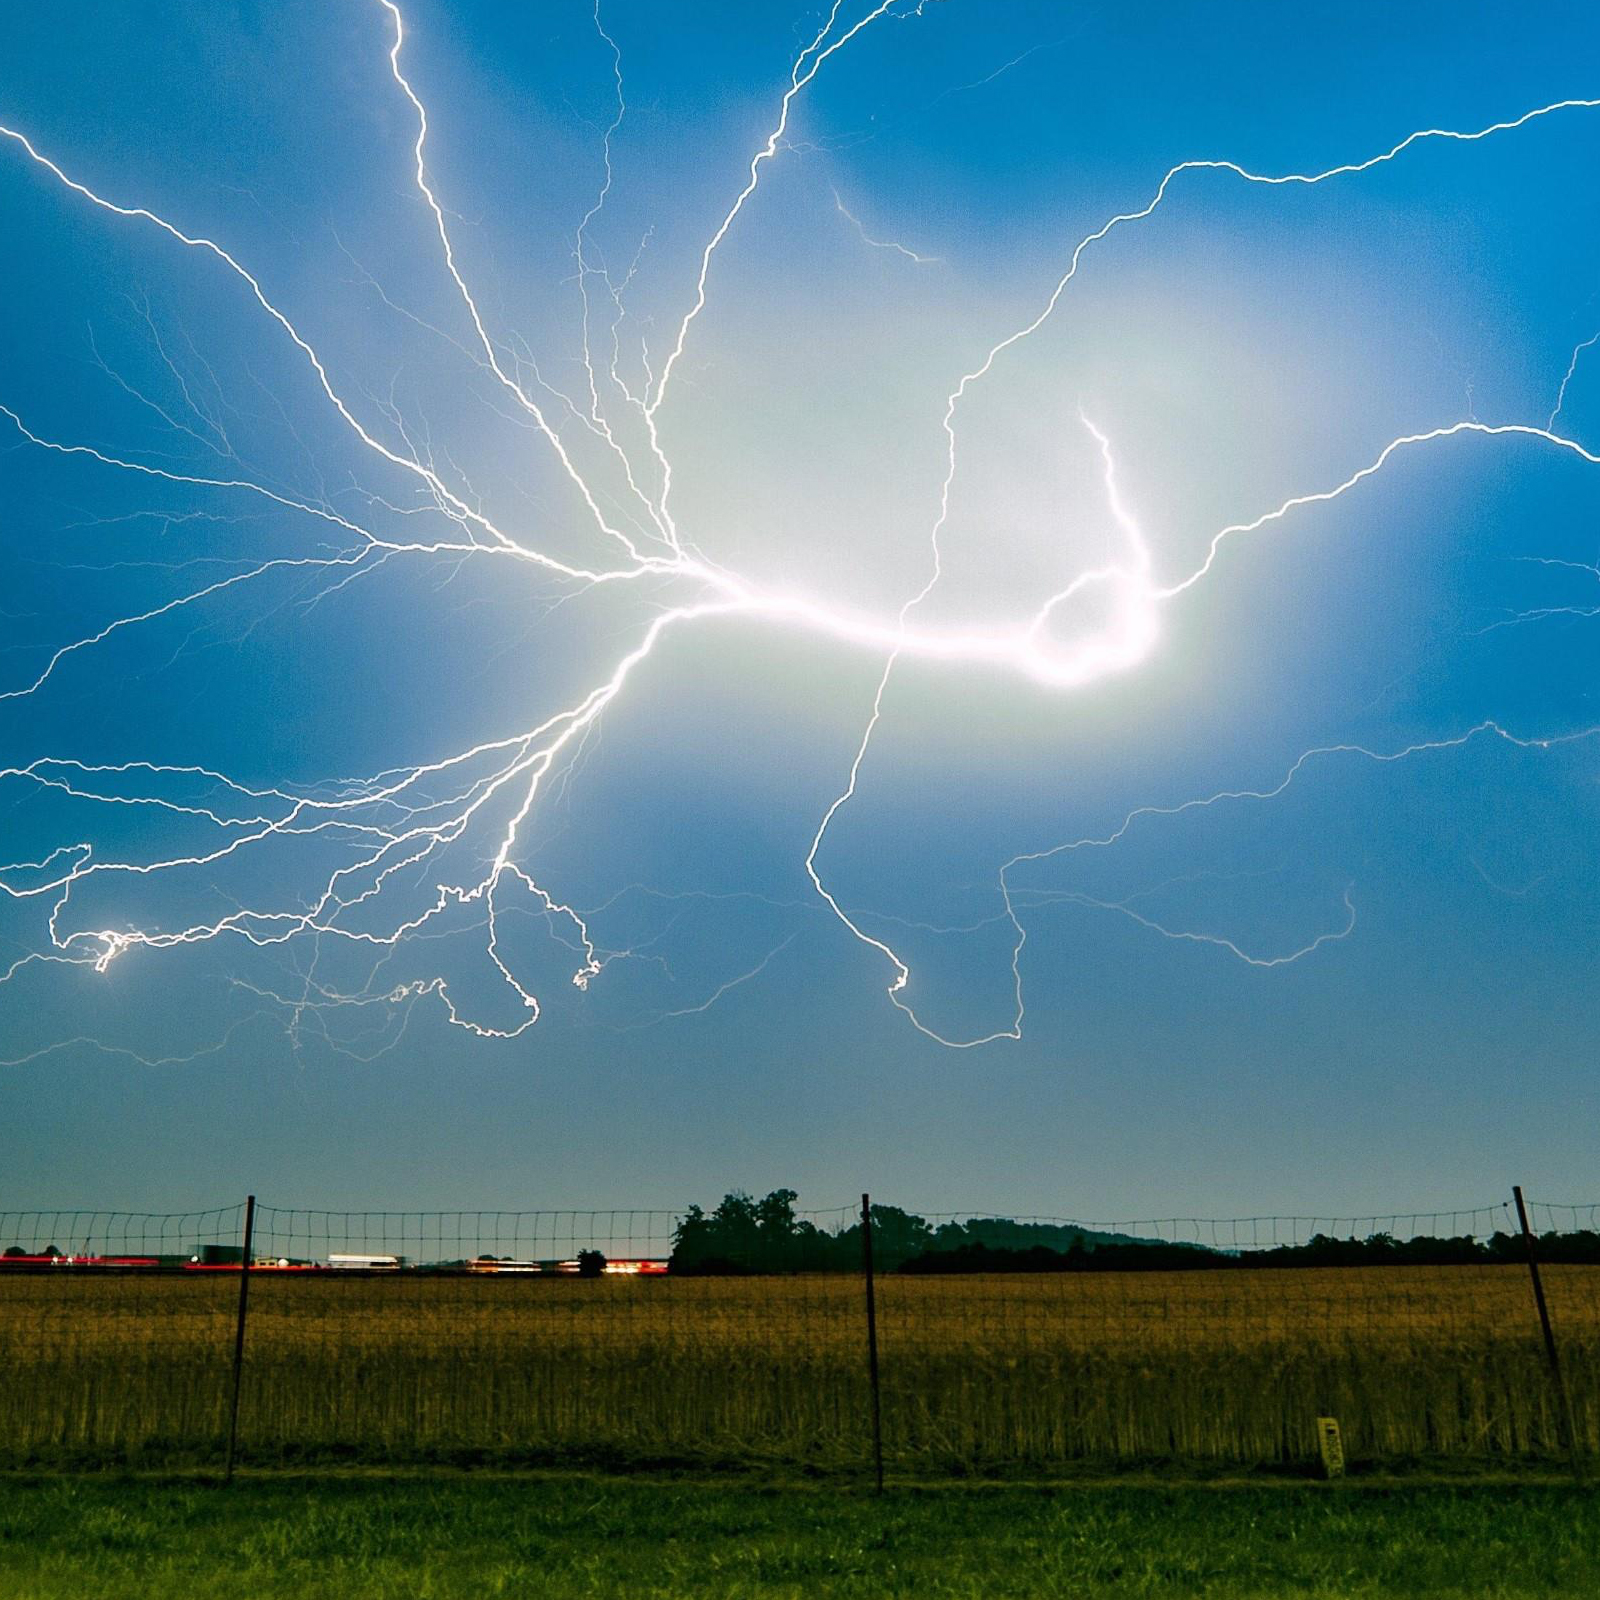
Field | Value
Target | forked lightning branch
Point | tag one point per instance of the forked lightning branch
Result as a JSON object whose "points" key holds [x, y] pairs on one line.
{"points": [[394, 825]]}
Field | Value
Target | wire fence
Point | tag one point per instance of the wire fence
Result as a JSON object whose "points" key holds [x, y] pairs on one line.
{"points": [[754, 1333]]}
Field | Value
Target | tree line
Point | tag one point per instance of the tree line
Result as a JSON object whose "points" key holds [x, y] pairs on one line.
{"points": [[747, 1235]]}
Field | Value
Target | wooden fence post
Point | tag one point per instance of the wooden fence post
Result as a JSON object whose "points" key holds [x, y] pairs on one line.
{"points": [[238, 1332], [872, 1341], [1552, 1355]]}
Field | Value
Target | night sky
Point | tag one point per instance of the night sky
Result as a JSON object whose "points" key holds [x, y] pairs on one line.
{"points": [[1357, 976]]}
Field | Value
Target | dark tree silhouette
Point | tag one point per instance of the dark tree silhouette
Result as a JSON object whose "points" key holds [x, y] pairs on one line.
{"points": [[747, 1235]]}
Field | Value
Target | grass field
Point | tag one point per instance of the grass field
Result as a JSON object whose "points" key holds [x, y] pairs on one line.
{"points": [[1004, 1372], [460, 1538]]}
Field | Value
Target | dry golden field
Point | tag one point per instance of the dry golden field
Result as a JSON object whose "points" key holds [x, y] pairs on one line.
{"points": [[978, 1372]]}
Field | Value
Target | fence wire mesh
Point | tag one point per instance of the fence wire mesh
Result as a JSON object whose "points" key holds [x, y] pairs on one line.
{"points": [[116, 1329], [1052, 1339], [550, 1333], [741, 1333]]}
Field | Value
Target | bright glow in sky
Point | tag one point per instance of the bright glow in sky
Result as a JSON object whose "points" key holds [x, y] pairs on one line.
{"points": [[977, 566]]}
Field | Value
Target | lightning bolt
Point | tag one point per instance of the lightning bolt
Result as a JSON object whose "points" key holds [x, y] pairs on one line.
{"points": [[1567, 376], [400, 834], [879, 244]]}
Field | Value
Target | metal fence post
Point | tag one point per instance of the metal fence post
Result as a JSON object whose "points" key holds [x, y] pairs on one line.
{"points": [[872, 1341], [238, 1332], [1552, 1355]]}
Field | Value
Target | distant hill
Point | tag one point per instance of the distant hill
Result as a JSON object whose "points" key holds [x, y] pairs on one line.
{"points": [[1140, 1255], [1002, 1233]]}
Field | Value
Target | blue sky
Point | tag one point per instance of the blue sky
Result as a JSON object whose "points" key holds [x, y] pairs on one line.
{"points": [[1368, 987]]}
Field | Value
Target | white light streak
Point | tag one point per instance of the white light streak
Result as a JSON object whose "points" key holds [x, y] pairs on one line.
{"points": [[401, 829], [1572, 367], [879, 244]]}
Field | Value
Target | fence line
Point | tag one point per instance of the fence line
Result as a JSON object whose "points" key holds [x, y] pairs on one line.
{"points": [[991, 1341]]}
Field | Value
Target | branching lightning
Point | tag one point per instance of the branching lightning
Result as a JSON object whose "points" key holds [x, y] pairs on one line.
{"points": [[406, 837], [879, 244]]}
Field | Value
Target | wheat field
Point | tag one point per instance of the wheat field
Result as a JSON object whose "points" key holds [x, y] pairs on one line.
{"points": [[978, 1372]]}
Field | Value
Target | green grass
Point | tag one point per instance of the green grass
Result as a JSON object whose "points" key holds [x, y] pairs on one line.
{"points": [[361, 1538]]}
